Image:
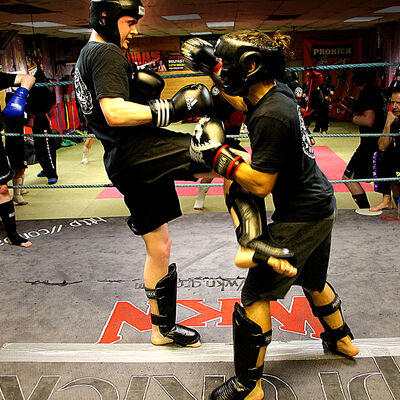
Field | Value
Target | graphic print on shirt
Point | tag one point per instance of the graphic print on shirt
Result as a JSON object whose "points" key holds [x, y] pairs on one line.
{"points": [[83, 94], [305, 138]]}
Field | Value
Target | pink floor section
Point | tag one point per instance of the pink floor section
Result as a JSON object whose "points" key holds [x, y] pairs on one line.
{"points": [[329, 162]]}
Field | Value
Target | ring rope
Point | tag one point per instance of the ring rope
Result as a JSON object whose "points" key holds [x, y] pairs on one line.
{"points": [[67, 136], [306, 68], [394, 179]]}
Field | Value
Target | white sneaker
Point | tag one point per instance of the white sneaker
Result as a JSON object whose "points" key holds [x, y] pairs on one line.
{"points": [[199, 204], [85, 160]]}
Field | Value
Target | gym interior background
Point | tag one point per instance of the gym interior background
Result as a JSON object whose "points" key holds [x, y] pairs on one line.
{"points": [[74, 320]]}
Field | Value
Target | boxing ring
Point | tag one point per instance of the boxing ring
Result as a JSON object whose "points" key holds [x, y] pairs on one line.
{"points": [[75, 319]]}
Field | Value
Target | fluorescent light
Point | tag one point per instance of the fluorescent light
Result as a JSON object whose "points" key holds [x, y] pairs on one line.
{"points": [[201, 33], [41, 24], [220, 24], [393, 9], [80, 30], [362, 19], [181, 17]]}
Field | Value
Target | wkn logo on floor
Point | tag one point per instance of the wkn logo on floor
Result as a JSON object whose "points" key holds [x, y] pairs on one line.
{"points": [[293, 319]]}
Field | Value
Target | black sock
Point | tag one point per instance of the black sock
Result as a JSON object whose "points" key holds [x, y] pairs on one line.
{"points": [[7, 214], [361, 200]]}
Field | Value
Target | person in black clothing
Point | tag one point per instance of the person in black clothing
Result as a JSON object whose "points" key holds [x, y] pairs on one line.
{"points": [[283, 164], [322, 117], [13, 111], [40, 103], [387, 158], [369, 115], [123, 109], [14, 146], [312, 96]]}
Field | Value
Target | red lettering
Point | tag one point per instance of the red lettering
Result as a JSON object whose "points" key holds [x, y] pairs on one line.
{"points": [[146, 57], [207, 313], [124, 313], [293, 319]]}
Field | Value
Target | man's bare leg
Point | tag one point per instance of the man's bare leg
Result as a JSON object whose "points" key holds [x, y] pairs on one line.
{"points": [[334, 320]]}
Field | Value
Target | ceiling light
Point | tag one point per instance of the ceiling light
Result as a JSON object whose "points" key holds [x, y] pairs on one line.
{"points": [[393, 9], [181, 17], [220, 24], [200, 33], [41, 24], [80, 30], [362, 19]]}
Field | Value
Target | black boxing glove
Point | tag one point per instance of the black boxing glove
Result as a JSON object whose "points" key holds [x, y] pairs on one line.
{"points": [[209, 148], [190, 101], [199, 55], [147, 84]]}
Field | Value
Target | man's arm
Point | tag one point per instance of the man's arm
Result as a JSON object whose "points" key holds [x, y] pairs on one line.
{"points": [[256, 182], [119, 112], [25, 80], [366, 119], [16, 106], [385, 141]]}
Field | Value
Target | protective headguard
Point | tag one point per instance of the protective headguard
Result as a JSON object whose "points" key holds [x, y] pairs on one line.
{"points": [[107, 26], [238, 54]]}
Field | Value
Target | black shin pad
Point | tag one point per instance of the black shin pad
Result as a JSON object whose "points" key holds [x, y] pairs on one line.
{"points": [[165, 294], [247, 342], [250, 209], [330, 336]]}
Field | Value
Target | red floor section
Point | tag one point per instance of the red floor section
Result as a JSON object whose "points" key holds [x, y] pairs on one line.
{"points": [[329, 162]]}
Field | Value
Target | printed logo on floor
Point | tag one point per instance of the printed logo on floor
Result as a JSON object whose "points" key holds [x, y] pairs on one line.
{"points": [[284, 384], [294, 319]]}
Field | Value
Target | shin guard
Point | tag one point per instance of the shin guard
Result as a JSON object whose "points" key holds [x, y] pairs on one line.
{"points": [[250, 209], [165, 294], [247, 342], [330, 336]]}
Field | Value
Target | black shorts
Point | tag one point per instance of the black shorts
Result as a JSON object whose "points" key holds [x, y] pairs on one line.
{"points": [[361, 163], [16, 152], [5, 170], [148, 186], [311, 243]]}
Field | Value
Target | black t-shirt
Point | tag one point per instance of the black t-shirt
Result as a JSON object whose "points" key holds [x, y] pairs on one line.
{"points": [[280, 144], [103, 72], [371, 98], [6, 80]]}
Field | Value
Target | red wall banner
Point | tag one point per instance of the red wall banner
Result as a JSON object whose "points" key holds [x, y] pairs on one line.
{"points": [[317, 52]]}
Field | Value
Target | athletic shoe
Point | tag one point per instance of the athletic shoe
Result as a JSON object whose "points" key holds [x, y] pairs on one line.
{"points": [[52, 181], [41, 175]]}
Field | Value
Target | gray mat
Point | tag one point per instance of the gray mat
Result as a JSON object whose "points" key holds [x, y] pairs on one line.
{"points": [[81, 282]]}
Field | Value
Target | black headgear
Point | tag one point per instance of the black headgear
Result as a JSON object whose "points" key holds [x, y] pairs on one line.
{"points": [[237, 55], [107, 26]]}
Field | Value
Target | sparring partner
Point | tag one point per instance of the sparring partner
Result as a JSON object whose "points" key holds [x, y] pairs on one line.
{"points": [[369, 114], [14, 110], [283, 163], [123, 109], [387, 158]]}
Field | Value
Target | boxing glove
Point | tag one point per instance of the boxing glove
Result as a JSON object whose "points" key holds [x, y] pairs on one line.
{"points": [[209, 148], [190, 101], [199, 56], [16, 106], [147, 84]]}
